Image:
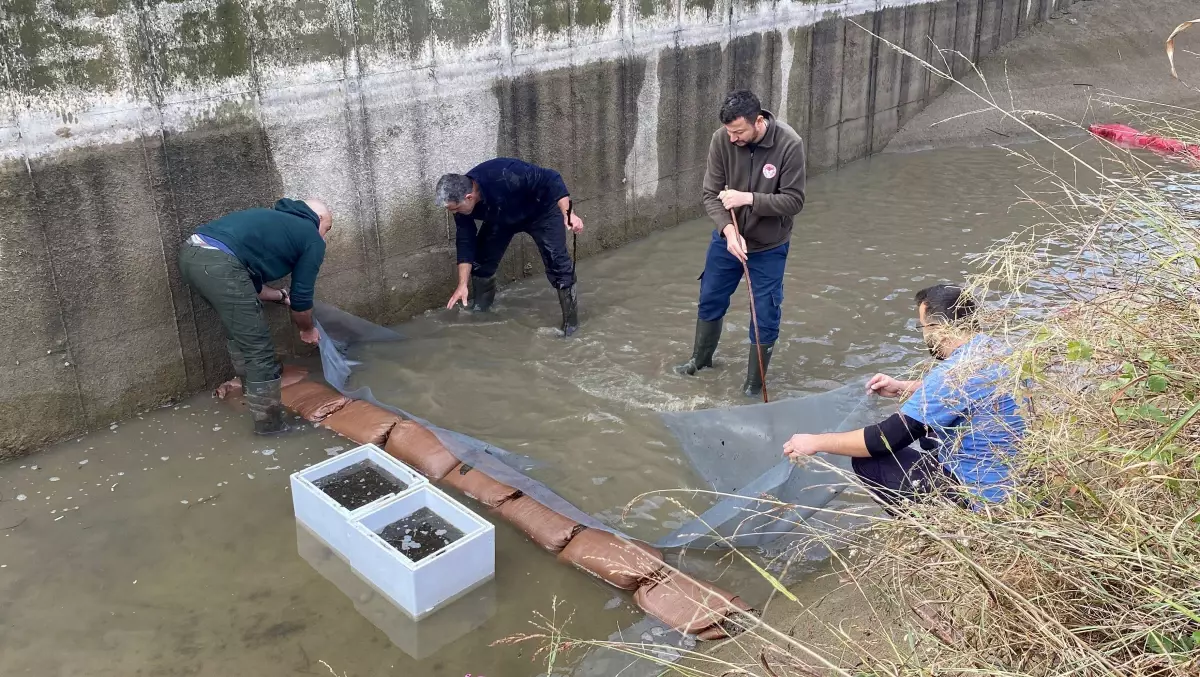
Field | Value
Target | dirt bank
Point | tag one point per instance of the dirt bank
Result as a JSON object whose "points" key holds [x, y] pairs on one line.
{"points": [[1060, 66]]}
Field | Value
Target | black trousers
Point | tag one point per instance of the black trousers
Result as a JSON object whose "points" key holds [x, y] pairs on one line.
{"points": [[549, 233], [910, 474]]}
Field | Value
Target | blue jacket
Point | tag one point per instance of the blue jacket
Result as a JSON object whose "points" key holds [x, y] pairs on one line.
{"points": [[273, 243], [512, 194]]}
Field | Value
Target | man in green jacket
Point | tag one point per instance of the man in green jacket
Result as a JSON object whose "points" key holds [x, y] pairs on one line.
{"points": [[756, 169], [227, 261]]}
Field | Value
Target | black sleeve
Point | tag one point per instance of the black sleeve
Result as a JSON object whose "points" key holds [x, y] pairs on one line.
{"points": [[895, 432]]}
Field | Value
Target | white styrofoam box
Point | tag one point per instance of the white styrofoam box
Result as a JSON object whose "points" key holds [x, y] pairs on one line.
{"points": [[422, 587], [419, 639], [325, 516]]}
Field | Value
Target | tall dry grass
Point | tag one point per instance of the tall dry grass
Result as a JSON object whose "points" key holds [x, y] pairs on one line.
{"points": [[1093, 566]]}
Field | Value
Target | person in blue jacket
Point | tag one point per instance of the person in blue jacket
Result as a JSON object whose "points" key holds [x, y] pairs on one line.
{"points": [[228, 260], [958, 431], [510, 196]]}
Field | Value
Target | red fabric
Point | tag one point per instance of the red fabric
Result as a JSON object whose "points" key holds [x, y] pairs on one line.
{"points": [[1128, 137]]}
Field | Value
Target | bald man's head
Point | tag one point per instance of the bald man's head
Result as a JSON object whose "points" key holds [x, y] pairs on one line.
{"points": [[323, 213]]}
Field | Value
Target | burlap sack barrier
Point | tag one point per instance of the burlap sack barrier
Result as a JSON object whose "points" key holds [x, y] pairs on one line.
{"points": [[362, 422], [313, 401], [620, 563], [233, 387], [690, 606], [479, 486], [730, 627], [545, 527], [414, 444]]}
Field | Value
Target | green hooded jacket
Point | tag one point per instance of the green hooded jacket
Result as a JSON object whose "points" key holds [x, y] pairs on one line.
{"points": [[273, 243]]}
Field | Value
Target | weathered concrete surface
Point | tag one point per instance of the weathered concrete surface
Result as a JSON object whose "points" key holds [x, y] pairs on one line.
{"points": [[1059, 67], [126, 123]]}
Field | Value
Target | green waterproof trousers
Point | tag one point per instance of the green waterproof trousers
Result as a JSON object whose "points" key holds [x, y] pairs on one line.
{"points": [[225, 283]]}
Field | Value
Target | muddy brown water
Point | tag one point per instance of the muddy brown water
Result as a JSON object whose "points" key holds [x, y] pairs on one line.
{"points": [[167, 545]]}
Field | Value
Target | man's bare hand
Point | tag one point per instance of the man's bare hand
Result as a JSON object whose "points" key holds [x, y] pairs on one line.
{"points": [[734, 243], [460, 296], [886, 386], [732, 199], [310, 336], [800, 446], [573, 223]]}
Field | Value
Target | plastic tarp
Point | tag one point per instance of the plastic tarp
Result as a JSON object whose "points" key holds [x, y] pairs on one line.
{"points": [[339, 330], [738, 451]]}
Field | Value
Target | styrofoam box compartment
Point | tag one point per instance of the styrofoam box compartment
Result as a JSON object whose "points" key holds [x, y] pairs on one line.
{"points": [[325, 516], [422, 587]]}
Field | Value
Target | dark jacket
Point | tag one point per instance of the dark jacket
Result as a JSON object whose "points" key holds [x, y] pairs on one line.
{"points": [[513, 194], [274, 243], [773, 170]]}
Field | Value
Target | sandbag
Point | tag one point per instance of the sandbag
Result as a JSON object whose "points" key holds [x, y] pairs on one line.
{"points": [[313, 401], [728, 627], [233, 387], [688, 605], [547, 528], [414, 444], [621, 563], [362, 422], [479, 486]]}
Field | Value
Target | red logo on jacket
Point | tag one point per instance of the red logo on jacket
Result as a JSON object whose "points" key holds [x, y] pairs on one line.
{"points": [[769, 171]]}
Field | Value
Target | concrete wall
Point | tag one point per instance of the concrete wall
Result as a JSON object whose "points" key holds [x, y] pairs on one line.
{"points": [[126, 123]]}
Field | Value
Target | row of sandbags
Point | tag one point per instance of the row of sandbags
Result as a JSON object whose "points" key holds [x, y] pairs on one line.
{"points": [[685, 604]]}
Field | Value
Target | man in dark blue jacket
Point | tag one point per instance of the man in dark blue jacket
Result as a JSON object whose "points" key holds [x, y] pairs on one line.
{"points": [[510, 196], [227, 262]]}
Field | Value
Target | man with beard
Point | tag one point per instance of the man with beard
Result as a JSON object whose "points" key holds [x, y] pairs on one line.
{"points": [[756, 169], [957, 432]]}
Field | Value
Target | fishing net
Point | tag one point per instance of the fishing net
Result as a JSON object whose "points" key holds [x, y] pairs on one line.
{"points": [[738, 451]]}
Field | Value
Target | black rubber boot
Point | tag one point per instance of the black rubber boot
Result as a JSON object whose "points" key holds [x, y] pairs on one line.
{"points": [[569, 303], [483, 293], [754, 377], [266, 406], [708, 335]]}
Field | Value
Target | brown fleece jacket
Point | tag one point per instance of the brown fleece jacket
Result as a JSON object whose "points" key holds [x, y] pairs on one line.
{"points": [[773, 170]]}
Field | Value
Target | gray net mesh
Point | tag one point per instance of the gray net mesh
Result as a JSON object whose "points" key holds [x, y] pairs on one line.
{"points": [[738, 452]]}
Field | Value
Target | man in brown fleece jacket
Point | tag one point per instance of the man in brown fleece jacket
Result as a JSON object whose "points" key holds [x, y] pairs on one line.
{"points": [[756, 168]]}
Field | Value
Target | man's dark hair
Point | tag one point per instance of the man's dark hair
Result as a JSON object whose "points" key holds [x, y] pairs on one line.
{"points": [[947, 304], [740, 103], [452, 188]]}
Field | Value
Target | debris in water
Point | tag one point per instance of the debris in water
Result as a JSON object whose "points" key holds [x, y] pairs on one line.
{"points": [[53, 479], [59, 517], [166, 458], [612, 603], [113, 487], [20, 497], [216, 428], [267, 452], [334, 451], [274, 467], [83, 462], [249, 475], [184, 501], [599, 480], [34, 467]]}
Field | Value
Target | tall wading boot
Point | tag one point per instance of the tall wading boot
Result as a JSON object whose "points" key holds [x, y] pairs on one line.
{"points": [[569, 303], [483, 293], [754, 377], [266, 406], [708, 335]]}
